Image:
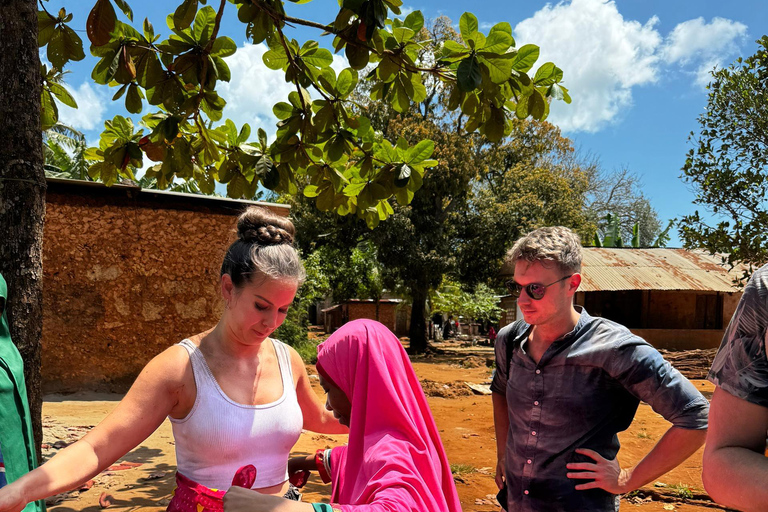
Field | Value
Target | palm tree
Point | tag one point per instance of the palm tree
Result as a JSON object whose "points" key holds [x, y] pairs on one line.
{"points": [[64, 153]]}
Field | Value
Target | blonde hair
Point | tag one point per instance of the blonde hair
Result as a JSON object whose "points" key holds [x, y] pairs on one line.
{"points": [[557, 244]]}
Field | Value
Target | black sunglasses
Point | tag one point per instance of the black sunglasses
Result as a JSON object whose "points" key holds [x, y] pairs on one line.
{"points": [[535, 291]]}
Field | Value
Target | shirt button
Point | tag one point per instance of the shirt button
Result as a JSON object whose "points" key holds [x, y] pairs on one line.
{"points": [[525, 491], [533, 433], [529, 461], [536, 402], [538, 372]]}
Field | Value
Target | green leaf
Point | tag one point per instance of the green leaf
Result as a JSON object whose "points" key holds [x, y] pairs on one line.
{"points": [[403, 34], [354, 189], [222, 69], [467, 25], [123, 6], [101, 22], [452, 48], [538, 106], [548, 74], [420, 152], [223, 47], [498, 41], [319, 57], [65, 45], [525, 58], [264, 165], [245, 132], [260, 27], [414, 21], [283, 110], [205, 20], [499, 68], [49, 113], [346, 82], [493, 129], [45, 26], [133, 99], [468, 75], [272, 179], [236, 186], [62, 94], [149, 30], [184, 14], [357, 56], [276, 60], [120, 92]]}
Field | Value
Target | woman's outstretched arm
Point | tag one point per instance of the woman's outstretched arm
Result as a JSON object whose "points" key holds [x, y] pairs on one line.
{"points": [[151, 398]]}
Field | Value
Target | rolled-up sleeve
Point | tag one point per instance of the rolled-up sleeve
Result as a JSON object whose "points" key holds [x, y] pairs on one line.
{"points": [[741, 365], [648, 376]]}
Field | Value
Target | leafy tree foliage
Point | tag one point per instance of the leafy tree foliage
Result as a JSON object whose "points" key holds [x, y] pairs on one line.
{"points": [[350, 273], [528, 181], [481, 305], [322, 144], [470, 209], [728, 165]]}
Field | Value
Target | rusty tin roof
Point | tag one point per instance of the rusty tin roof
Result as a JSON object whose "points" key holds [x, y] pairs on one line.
{"points": [[607, 269]]}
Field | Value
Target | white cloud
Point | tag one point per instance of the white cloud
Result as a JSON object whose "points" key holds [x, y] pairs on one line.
{"points": [[704, 45], [253, 89], [91, 105], [404, 11], [604, 56]]}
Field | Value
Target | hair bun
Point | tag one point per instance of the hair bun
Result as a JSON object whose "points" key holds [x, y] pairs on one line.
{"points": [[261, 226]]}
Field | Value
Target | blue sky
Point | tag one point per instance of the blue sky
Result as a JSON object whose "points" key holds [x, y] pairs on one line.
{"points": [[636, 70]]}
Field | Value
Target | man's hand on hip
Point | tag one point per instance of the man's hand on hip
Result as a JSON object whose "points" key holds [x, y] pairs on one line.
{"points": [[605, 474]]}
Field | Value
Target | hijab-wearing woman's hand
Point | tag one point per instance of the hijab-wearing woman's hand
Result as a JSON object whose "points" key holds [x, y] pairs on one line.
{"points": [[238, 499]]}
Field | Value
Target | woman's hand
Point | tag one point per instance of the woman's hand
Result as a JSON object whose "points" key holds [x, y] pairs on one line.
{"points": [[12, 499]]}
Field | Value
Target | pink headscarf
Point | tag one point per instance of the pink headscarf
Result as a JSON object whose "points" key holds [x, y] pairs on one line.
{"points": [[394, 455]]}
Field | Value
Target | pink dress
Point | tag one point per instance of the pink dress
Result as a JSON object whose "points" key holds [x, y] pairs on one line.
{"points": [[394, 458]]}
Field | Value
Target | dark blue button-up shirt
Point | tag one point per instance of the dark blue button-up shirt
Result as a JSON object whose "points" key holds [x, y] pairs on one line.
{"points": [[585, 389]]}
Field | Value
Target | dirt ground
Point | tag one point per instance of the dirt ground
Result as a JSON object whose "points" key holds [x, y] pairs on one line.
{"points": [[144, 479]]}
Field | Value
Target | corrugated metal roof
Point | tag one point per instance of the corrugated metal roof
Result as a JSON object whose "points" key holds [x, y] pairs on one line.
{"points": [[606, 269]]}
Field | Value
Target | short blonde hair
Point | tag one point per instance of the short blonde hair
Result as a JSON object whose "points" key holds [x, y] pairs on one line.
{"points": [[557, 244]]}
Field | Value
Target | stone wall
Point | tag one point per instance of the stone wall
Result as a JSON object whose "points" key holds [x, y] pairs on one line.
{"points": [[127, 273]]}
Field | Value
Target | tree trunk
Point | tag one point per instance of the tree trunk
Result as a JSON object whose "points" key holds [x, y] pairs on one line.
{"points": [[418, 329], [22, 191]]}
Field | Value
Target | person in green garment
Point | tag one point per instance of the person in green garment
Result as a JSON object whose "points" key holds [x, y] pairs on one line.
{"points": [[17, 447]]}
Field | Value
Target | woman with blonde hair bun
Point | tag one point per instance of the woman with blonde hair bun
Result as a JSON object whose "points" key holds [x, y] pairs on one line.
{"points": [[236, 398]]}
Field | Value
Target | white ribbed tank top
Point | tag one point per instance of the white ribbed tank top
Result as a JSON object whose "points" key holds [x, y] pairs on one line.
{"points": [[219, 435]]}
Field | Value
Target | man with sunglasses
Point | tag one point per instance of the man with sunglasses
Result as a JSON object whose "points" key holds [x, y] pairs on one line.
{"points": [[566, 383]]}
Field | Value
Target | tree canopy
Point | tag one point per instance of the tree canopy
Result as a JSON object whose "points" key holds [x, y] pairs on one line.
{"points": [[321, 142], [728, 166]]}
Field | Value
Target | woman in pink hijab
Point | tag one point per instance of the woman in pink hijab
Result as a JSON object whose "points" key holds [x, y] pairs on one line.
{"points": [[395, 460]]}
